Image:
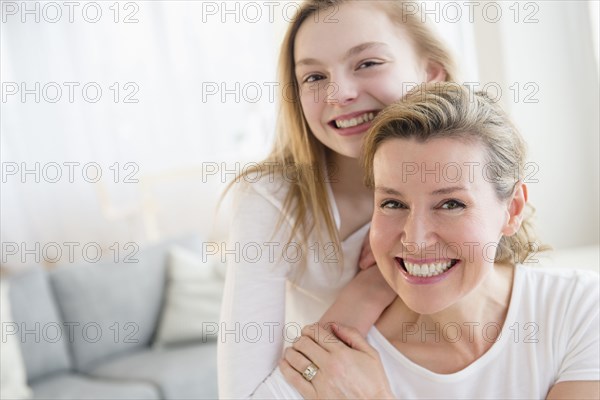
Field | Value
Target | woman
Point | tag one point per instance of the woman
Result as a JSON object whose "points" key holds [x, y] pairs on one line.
{"points": [[303, 215], [450, 231]]}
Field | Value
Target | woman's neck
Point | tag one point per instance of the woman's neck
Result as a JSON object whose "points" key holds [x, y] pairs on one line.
{"points": [[475, 315]]}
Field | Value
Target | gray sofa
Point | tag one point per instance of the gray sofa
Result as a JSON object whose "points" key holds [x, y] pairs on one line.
{"points": [[86, 331]]}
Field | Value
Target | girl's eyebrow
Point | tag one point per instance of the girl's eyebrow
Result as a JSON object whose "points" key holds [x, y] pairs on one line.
{"points": [[352, 52]]}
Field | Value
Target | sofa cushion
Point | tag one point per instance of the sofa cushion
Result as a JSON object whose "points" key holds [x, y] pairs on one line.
{"points": [[112, 307], [41, 333], [180, 372], [76, 387]]}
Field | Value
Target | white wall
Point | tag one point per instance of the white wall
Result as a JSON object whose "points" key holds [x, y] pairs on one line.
{"points": [[556, 56]]}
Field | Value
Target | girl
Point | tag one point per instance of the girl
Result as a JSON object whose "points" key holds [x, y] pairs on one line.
{"points": [[301, 217]]}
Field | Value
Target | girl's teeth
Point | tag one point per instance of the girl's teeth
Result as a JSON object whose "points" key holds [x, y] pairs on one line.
{"points": [[349, 123], [426, 270]]}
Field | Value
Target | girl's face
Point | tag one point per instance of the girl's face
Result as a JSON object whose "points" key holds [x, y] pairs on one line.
{"points": [[350, 63], [437, 220]]}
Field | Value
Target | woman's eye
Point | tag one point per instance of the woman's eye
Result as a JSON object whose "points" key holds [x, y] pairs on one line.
{"points": [[392, 204], [452, 205]]}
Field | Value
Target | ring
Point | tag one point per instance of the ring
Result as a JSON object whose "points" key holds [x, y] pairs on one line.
{"points": [[310, 372]]}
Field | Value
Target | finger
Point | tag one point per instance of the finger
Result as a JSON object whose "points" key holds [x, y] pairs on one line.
{"points": [[297, 360], [353, 338], [304, 387], [311, 350], [367, 261], [324, 336]]}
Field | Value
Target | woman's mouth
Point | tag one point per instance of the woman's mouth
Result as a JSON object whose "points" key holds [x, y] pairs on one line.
{"points": [[426, 269]]}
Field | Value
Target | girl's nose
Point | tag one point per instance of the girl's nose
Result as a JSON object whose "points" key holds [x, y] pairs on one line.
{"points": [[341, 91]]}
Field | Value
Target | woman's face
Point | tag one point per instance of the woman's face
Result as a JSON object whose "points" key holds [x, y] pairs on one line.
{"points": [[437, 220], [350, 63]]}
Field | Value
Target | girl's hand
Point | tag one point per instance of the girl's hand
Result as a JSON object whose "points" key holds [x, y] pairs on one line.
{"points": [[366, 259], [348, 367]]}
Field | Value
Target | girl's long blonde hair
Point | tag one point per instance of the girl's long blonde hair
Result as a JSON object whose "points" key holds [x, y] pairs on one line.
{"points": [[297, 154]]}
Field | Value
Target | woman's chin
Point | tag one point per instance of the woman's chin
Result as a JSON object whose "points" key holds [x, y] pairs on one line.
{"points": [[425, 307]]}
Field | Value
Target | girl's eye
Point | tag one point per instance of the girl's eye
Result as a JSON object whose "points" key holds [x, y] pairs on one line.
{"points": [[452, 205], [392, 205], [368, 64], [313, 78]]}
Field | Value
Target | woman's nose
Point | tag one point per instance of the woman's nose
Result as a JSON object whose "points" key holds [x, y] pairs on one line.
{"points": [[341, 90], [418, 231]]}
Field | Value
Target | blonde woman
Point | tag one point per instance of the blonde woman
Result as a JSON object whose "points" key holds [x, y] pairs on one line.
{"points": [[300, 219], [451, 230]]}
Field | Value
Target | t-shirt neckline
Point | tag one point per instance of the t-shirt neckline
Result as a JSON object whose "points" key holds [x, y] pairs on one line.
{"points": [[476, 365]]}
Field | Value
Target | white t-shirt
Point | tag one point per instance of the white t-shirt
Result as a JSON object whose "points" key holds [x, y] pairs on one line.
{"points": [[551, 334], [268, 296]]}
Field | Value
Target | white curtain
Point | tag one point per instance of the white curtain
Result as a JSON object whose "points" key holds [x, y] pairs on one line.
{"points": [[156, 143]]}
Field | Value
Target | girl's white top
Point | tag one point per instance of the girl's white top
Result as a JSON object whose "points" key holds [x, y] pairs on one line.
{"points": [[269, 295]]}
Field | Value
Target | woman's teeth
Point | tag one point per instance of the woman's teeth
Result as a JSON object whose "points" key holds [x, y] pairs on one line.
{"points": [[349, 123], [426, 270]]}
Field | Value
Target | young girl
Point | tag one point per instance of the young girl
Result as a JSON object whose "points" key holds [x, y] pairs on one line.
{"points": [[301, 218], [451, 231]]}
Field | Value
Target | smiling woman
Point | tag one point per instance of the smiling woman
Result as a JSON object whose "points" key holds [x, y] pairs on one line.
{"points": [[469, 320]]}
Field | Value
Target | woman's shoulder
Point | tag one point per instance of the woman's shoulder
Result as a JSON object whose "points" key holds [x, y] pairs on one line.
{"points": [[542, 272], [554, 289]]}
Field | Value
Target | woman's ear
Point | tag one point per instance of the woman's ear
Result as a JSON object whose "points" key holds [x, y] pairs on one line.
{"points": [[435, 72], [516, 208]]}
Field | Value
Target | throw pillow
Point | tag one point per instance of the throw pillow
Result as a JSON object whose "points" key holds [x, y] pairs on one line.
{"points": [[192, 299]]}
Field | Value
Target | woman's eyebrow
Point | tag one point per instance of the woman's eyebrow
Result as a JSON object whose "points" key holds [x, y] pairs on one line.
{"points": [[351, 52], [437, 192], [448, 190]]}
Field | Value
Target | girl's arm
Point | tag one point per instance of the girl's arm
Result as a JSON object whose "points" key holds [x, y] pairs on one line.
{"points": [[363, 300], [251, 338], [253, 311]]}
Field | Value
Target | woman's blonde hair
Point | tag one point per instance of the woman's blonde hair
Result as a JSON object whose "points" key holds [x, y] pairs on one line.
{"points": [[297, 152], [442, 110]]}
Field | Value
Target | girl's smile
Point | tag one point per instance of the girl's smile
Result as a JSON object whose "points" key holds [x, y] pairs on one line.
{"points": [[353, 123]]}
